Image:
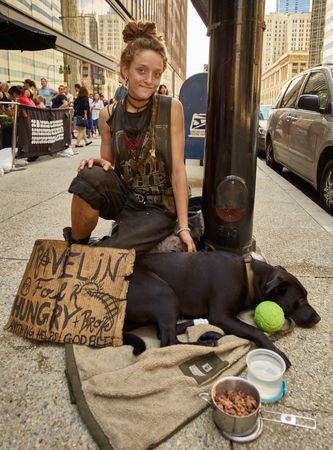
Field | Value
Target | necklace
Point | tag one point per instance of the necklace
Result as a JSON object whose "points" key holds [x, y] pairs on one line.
{"points": [[135, 98], [135, 127], [138, 108]]}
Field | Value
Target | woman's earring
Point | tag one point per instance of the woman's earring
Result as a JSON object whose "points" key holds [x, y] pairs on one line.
{"points": [[126, 81]]}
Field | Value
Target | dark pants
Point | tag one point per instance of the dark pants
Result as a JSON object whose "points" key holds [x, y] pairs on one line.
{"points": [[90, 128], [139, 225], [7, 133]]}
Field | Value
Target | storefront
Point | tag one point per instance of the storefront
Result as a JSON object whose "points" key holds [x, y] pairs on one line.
{"points": [[88, 46]]}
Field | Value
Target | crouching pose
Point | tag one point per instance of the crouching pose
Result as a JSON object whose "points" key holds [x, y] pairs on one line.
{"points": [[139, 180]]}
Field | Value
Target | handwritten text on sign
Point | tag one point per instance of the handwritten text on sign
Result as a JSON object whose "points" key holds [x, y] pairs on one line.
{"points": [[73, 294]]}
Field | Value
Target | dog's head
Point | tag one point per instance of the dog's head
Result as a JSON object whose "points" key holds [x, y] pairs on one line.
{"points": [[288, 292]]}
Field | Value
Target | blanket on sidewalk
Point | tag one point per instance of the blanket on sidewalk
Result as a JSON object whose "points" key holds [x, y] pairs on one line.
{"points": [[136, 402]]}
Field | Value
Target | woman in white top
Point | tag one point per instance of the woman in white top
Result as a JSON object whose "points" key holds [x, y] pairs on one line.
{"points": [[96, 106]]}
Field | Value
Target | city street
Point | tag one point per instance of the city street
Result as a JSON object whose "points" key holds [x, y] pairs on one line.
{"points": [[304, 187], [61, 63], [289, 229]]}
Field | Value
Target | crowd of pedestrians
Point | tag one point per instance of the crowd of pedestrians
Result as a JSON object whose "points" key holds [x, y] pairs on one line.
{"points": [[85, 108], [27, 93]]}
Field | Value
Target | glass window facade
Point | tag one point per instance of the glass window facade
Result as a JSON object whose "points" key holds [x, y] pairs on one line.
{"points": [[97, 26], [293, 6]]}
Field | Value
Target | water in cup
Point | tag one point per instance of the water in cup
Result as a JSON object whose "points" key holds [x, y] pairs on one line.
{"points": [[265, 371]]}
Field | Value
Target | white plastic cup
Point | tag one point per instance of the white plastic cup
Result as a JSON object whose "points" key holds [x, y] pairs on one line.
{"points": [[265, 370]]}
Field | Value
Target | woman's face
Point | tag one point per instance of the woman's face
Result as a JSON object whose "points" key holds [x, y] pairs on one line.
{"points": [[26, 93], [143, 74], [163, 90]]}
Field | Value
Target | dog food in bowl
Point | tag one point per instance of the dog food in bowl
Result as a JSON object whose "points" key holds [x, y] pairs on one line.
{"points": [[236, 403]]}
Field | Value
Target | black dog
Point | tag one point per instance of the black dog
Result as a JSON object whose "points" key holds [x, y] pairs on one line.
{"points": [[166, 287]]}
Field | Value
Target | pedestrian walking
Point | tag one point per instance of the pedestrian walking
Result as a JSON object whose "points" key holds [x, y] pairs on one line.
{"points": [[82, 114], [46, 92], [104, 100], [31, 86], [96, 107], [163, 90], [59, 100], [90, 126], [120, 93], [40, 101]]}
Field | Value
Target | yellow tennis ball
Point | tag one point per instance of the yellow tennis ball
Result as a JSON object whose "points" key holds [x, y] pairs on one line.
{"points": [[269, 316]]}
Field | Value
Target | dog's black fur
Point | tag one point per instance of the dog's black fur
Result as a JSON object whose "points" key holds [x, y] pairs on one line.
{"points": [[166, 287]]}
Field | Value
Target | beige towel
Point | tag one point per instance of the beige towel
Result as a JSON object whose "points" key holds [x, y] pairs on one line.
{"points": [[131, 402]]}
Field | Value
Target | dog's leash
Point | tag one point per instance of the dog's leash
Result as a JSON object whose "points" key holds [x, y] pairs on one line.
{"points": [[249, 272]]}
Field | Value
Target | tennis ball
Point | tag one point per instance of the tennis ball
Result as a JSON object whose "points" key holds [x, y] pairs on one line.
{"points": [[269, 316]]}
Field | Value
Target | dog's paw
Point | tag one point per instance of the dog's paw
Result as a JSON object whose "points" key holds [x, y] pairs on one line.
{"points": [[210, 338], [135, 341], [285, 358]]}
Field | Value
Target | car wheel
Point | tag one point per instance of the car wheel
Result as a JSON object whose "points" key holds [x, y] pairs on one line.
{"points": [[326, 188], [270, 161]]}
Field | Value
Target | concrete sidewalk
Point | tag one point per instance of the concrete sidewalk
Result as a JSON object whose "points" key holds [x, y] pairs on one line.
{"points": [[289, 229]]}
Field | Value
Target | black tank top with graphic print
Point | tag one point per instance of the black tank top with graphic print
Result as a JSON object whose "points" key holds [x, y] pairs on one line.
{"points": [[141, 174]]}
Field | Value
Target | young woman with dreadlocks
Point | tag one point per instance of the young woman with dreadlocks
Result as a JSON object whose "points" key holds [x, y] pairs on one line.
{"points": [[140, 178]]}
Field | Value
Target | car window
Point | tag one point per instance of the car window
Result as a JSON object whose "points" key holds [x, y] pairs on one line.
{"points": [[280, 95], [264, 110], [317, 85], [290, 97]]}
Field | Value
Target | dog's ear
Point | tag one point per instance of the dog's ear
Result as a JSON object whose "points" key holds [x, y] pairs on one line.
{"points": [[277, 286]]}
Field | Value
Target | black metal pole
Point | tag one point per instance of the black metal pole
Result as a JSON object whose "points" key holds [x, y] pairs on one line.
{"points": [[236, 32]]}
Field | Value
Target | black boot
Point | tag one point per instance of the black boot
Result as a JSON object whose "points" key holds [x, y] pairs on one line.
{"points": [[67, 233]]}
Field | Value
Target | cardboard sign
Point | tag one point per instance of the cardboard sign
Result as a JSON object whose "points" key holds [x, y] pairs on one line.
{"points": [[73, 294]]}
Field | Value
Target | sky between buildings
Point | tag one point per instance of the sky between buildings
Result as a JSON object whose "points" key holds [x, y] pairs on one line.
{"points": [[198, 42]]}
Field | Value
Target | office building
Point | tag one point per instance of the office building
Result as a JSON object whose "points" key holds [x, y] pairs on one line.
{"points": [[286, 67], [328, 33], [274, 43], [293, 6], [317, 32], [89, 41], [284, 33]]}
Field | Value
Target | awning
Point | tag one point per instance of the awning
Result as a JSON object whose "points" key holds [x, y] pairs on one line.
{"points": [[16, 35]]}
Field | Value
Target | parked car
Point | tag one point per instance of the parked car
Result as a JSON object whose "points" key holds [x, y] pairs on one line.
{"points": [[262, 127], [300, 130]]}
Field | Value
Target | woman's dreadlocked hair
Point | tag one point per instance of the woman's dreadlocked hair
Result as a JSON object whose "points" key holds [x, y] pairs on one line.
{"points": [[142, 36]]}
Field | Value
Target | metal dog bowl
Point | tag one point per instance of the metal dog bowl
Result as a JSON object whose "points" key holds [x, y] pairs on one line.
{"points": [[237, 426]]}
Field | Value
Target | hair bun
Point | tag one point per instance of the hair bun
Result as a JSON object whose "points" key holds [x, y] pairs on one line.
{"points": [[135, 30]]}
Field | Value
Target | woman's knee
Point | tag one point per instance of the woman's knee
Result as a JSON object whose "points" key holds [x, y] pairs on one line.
{"points": [[94, 175]]}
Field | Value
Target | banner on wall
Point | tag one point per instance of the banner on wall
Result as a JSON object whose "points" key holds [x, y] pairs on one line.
{"points": [[43, 131]]}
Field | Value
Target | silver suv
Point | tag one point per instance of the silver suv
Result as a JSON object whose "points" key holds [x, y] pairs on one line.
{"points": [[300, 130]]}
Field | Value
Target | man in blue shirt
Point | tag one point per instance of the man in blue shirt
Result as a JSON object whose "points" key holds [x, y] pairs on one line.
{"points": [[60, 100], [120, 93], [46, 92]]}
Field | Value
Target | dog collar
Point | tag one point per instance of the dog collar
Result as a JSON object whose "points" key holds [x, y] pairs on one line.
{"points": [[249, 273]]}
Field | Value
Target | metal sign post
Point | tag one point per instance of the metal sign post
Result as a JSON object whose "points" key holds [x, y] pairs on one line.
{"points": [[236, 33], [13, 167]]}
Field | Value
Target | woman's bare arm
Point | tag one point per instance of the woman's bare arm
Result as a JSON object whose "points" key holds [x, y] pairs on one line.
{"points": [[179, 178], [106, 159]]}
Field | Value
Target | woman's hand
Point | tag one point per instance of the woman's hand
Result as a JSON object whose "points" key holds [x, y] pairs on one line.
{"points": [[106, 165], [187, 241]]}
